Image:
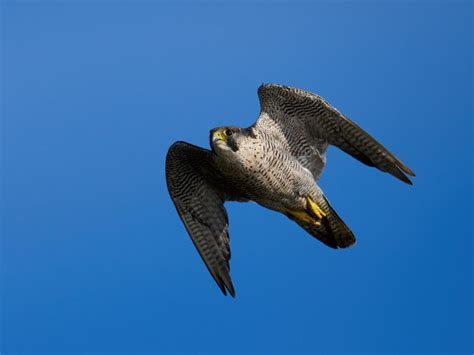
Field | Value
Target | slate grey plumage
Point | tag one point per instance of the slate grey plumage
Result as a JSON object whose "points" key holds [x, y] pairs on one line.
{"points": [[275, 163]]}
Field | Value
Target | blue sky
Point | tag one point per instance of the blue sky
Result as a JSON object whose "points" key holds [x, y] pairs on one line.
{"points": [[94, 256]]}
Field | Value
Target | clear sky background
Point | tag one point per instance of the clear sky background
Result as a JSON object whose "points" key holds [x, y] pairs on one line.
{"points": [[94, 256]]}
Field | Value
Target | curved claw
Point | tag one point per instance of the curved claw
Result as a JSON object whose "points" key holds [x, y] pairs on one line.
{"points": [[313, 208]]}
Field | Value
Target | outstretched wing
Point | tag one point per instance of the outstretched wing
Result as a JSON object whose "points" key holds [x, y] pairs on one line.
{"points": [[198, 193], [307, 123]]}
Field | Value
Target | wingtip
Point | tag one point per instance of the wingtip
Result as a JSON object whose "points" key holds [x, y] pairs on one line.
{"points": [[400, 172], [230, 287], [406, 169], [225, 284], [224, 289], [405, 179]]}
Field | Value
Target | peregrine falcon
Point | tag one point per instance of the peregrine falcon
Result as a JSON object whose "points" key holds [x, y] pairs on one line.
{"points": [[275, 163]]}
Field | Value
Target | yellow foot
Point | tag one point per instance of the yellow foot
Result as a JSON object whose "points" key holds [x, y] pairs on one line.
{"points": [[313, 214], [314, 208]]}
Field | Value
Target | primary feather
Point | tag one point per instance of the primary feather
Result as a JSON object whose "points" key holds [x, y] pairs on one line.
{"points": [[275, 163]]}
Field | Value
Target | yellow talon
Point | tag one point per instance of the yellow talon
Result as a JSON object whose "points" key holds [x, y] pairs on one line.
{"points": [[313, 207], [313, 214], [302, 216]]}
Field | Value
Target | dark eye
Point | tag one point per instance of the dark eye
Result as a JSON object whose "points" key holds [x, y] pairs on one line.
{"points": [[228, 132]]}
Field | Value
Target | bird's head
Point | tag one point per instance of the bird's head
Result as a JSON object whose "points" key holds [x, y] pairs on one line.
{"points": [[225, 139]]}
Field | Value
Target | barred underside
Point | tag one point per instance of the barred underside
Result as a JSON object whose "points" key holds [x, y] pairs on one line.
{"points": [[274, 163], [192, 184], [307, 121]]}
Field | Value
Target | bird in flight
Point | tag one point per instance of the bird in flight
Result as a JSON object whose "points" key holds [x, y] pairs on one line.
{"points": [[275, 162]]}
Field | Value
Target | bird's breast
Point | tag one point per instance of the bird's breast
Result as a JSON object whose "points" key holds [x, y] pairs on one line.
{"points": [[268, 174]]}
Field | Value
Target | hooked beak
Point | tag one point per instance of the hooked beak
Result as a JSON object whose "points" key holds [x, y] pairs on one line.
{"points": [[217, 137]]}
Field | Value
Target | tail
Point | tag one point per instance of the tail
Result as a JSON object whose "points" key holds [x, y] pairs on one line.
{"points": [[332, 231]]}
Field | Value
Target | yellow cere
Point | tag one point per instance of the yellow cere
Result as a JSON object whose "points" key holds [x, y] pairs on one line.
{"points": [[219, 135]]}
